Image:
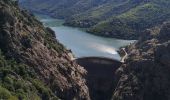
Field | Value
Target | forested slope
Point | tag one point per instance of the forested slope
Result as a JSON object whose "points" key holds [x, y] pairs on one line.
{"points": [[124, 19]]}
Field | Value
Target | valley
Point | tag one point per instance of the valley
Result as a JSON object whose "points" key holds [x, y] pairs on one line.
{"points": [[85, 44], [84, 50], [98, 55], [123, 19]]}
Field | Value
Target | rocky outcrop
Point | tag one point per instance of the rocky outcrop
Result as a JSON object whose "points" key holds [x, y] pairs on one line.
{"points": [[145, 73], [24, 39]]}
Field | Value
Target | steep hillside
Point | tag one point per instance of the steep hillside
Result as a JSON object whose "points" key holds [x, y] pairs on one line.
{"points": [[64, 8], [124, 19], [33, 64], [145, 74], [132, 22]]}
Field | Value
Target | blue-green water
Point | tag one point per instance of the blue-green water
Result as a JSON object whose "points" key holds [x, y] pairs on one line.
{"points": [[82, 43]]}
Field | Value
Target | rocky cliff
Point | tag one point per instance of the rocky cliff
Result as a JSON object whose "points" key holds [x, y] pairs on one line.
{"points": [[146, 72], [32, 56]]}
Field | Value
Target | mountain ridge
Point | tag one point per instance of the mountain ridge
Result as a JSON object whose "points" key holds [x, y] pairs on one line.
{"points": [[124, 19]]}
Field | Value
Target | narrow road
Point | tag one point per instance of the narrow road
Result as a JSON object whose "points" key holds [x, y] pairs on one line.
{"points": [[125, 56]]}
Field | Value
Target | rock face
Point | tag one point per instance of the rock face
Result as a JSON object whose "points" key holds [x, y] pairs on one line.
{"points": [[25, 40], [146, 72]]}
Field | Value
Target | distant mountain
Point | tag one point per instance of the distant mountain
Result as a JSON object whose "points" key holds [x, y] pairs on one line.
{"points": [[114, 18]]}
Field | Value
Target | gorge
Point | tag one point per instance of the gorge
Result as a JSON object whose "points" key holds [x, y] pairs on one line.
{"points": [[36, 62], [98, 55]]}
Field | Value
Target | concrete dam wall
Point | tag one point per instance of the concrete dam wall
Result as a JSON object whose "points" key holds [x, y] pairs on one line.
{"points": [[100, 76]]}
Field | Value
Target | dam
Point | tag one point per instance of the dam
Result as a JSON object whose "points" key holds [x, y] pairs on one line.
{"points": [[100, 76]]}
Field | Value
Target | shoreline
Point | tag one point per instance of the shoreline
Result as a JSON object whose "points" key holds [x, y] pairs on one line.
{"points": [[72, 55], [84, 29]]}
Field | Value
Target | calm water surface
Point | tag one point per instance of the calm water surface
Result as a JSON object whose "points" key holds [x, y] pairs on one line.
{"points": [[82, 43]]}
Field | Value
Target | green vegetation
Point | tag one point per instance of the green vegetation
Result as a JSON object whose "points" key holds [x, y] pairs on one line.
{"points": [[101, 16], [19, 81], [133, 21]]}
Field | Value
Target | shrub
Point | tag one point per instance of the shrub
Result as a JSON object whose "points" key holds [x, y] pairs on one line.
{"points": [[4, 93]]}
